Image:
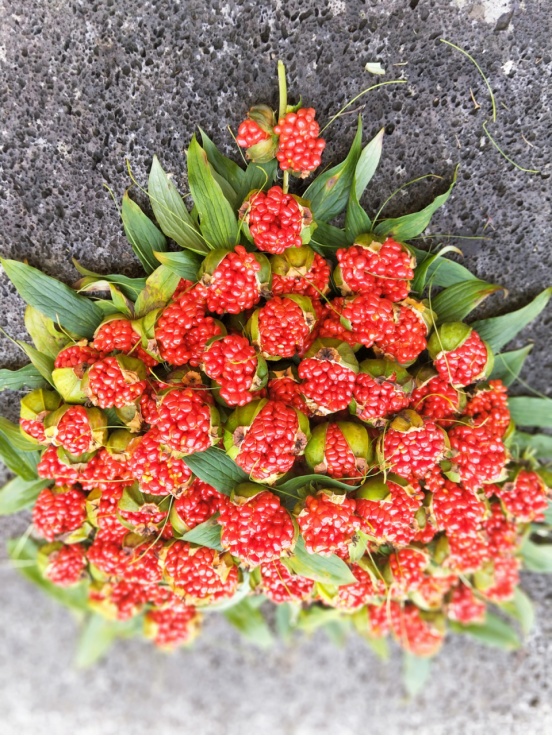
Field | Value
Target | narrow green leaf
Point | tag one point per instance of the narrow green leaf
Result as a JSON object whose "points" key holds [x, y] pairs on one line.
{"points": [[215, 467], [160, 286], [43, 363], [184, 263], [442, 272], [326, 239], [536, 557], [44, 334], [356, 220], [223, 165], [409, 226], [26, 377], [507, 366], [19, 494], [216, 217], [493, 631], [24, 554], [251, 623], [286, 615], [258, 176], [316, 617], [170, 211], [498, 331], [142, 234], [13, 435], [521, 608], [21, 463], [368, 162], [93, 281], [206, 535], [330, 569], [294, 484], [540, 444], [531, 411], [329, 192], [55, 300], [423, 269], [415, 673], [456, 302], [96, 638]]}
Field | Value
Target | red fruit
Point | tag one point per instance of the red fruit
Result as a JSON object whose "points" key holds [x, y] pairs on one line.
{"points": [[388, 511], [182, 329], [382, 388], [455, 509], [478, 458], [233, 363], [186, 423], [525, 497], [489, 408], [436, 400], [300, 271], [200, 502], [58, 512], [115, 381], [118, 334], [159, 472], [171, 628], [103, 512], [64, 564], [235, 280], [411, 447], [365, 590], [121, 600], [147, 517], [199, 575], [417, 633], [328, 523], [51, 466], [249, 134], [279, 585], [502, 535], [285, 387], [464, 607], [406, 338], [76, 429], [431, 592], [380, 269], [265, 437], [459, 354], [299, 147], [282, 327], [407, 568], [35, 429], [467, 553], [183, 286], [505, 579], [331, 326], [140, 564], [328, 376], [378, 620], [78, 357], [105, 471], [275, 220], [369, 318], [255, 529], [340, 450]]}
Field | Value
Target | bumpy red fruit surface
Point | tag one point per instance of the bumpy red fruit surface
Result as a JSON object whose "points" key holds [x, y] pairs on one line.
{"points": [[464, 607], [171, 628], [199, 574], [299, 147], [234, 284], [382, 269], [275, 221], [340, 450], [186, 423], [65, 565], [328, 524], [407, 570], [467, 553], [281, 586], [283, 326], [159, 472], [285, 387], [436, 400], [375, 398], [420, 636], [121, 600], [249, 134], [525, 497], [58, 512], [200, 502], [407, 338], [73, 431], [105, 471], [119, 334], [505, 579], [488, 408], [501, 532], [112, 384], [366, 589], [256, 530], [34, 428], [369, 318], [391, 519], [478, 457], [327, 381], [232, 362], [455, 509], [411, 447], [300, 272], [464, 364], [78, 357]]}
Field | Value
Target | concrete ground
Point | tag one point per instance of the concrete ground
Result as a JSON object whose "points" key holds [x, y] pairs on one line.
{"points": [[84, 85]]}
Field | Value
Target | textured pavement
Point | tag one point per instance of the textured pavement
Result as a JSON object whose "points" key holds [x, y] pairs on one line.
{"points": [[84, 86]]}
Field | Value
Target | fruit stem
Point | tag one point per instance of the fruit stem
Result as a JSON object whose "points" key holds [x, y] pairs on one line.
{"points": [[282, 87], [285, 184]]}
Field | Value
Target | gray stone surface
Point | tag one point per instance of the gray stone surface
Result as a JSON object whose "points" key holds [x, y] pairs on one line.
{"points": [[84, 85]]}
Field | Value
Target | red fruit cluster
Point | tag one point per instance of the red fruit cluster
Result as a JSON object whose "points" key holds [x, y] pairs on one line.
{"points": [[233, 363], [275, 221], [299, 145]]}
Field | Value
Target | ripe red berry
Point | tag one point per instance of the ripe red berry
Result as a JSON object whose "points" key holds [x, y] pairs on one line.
{"points": [[233, 363], [388, 511], [171, 628], [249, 134], [159, 472], [78, 357], [282, 327], [115, 381], [187, 423], [328, 523], [64, 564], [275, 220], [234, 279], [459, 354], [464, 607], [525, 497], [281, 586], [299, 147], [417, 632], [300, 271], [58, 512], [198, 504], [328, 376], [410, 446], [199, 574]]}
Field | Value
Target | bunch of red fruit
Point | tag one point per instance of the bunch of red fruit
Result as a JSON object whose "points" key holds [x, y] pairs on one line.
{"points": [[293, 366]]}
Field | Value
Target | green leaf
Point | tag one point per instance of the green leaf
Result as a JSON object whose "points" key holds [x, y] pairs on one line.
{"points": [[456, 302], [43, 363], [531, 411], [521, 608], [215, 467], [409, 226], [356, 220], [224, 166], [493, 631], [184, 263], [22, 464], [286, 615], [330, 569], [55, 300], [536, 557], [442, 272], [24, 555], [290, 486], [317, 617], [540, 444], [160, 286], [26, 377], [507, 366], [170, 211], [423, 269], [142, 234], [45, 336], [498, 331], [93, 281], [329, 192], [326, 239], [98, 635], [12, 434], [120, 302], [251, 623], [258, 176], [19, 494], [368, 162], [415, 673], [216, 217], [205, 535]]}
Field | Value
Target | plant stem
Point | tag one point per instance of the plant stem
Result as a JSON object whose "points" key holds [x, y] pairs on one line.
{"points": [[285, 186], [282, 87]]}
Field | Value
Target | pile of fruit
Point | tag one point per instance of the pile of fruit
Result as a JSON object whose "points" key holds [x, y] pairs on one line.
{"points": [[276, 413]]}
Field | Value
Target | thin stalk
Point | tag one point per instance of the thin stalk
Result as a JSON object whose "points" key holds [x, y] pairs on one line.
{"points": [[282, 87], [364, 91]]}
